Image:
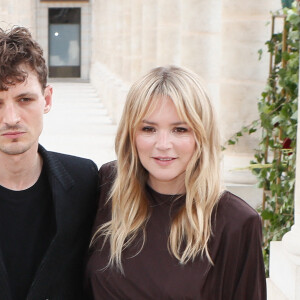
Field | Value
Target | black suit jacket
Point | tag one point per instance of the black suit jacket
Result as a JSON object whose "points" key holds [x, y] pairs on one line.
{"points": [[74, 184]]}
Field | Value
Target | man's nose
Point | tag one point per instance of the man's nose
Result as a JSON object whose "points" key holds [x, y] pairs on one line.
{"points": [[10, 114]]}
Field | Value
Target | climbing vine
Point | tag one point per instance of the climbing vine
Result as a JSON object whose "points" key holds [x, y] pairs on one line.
{"points": [[274, 161]]}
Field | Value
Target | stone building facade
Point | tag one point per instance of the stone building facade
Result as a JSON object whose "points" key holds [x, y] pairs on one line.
{"points": [[118, 40]]}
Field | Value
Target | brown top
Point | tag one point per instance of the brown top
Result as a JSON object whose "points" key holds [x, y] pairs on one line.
{"points": [[235, 248]]}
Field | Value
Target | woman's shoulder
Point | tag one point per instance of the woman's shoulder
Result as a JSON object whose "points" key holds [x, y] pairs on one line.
{"points": [[108, 167], [107, 175], [108, 171], [233, 210]]}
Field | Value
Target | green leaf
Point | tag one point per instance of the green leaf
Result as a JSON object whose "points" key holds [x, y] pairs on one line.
{"points": [[285, 55], [294, 116], [267, 215], [276, 119]]}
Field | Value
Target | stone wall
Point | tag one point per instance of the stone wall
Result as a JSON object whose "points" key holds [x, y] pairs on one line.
{"points": [[15, 12]]}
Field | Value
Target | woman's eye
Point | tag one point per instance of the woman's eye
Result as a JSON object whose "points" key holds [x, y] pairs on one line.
{"points": [[148, 129], [180, 129]]}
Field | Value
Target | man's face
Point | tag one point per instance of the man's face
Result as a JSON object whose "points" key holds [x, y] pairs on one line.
{"points": [[21, 114]]}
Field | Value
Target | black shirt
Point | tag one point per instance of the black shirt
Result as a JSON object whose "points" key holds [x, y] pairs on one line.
{"points": [[27, 226]]}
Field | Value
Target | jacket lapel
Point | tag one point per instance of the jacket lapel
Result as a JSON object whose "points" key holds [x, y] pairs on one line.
{"points": [[61, 182]]}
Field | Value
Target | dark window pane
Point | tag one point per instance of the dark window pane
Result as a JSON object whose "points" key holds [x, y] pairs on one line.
{"points": [[64, 15]]}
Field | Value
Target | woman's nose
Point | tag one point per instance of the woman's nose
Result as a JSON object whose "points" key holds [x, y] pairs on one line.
{"points": [[163, 141]]}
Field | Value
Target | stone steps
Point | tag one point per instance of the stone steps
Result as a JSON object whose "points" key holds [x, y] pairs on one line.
{"points": [[78, 123]]}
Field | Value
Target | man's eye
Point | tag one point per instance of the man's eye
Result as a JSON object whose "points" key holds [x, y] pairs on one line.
{"points": [[24, 99], [148, 129], [180, 129]]}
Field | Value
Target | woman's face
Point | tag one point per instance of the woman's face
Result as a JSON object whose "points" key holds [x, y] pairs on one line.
{"points": [[165, 145]]}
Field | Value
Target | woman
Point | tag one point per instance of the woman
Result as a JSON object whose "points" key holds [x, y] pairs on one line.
{"points": [[165, 228]]}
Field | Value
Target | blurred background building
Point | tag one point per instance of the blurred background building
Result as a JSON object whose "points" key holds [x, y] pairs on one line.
{"points": [[110, 43]]}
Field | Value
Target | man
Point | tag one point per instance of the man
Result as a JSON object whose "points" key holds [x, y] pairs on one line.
{"points": [[47, 199]]}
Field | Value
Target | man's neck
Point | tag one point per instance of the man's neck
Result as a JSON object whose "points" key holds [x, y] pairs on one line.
{"points": [[19, 172]]}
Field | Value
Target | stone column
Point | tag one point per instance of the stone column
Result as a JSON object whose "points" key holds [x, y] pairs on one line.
{"points": [[136, 38], [168, 35], [114, 15], [99, 31], [149, 35], [243, 78], [126, 40], [109, 34], [201, 42], [118, 37]]}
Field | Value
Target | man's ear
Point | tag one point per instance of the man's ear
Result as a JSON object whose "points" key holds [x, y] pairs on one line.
{"points": [[48, 98]]}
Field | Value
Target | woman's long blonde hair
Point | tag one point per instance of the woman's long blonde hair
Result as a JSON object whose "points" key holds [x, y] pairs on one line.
{"points": [[191, 228]]}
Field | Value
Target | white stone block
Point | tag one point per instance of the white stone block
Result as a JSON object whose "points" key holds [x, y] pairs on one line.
{"points": [[285, 271], [273, 293]]}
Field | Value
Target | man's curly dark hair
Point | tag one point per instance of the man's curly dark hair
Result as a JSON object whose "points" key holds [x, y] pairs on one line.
{"points": [[19, 49]]}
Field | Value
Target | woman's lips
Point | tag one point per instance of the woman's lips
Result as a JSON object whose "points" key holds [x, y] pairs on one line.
{"points": [[164, 161]]}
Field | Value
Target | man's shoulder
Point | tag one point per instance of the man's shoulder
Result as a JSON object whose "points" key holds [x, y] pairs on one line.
{"points": [[60, 162], [70, 158]]}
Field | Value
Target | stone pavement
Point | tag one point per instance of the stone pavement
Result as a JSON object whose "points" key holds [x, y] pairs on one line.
{"points": [[78, 123]]}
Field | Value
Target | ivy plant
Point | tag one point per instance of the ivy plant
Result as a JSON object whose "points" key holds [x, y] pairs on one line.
{"points": [[274, 160]]}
